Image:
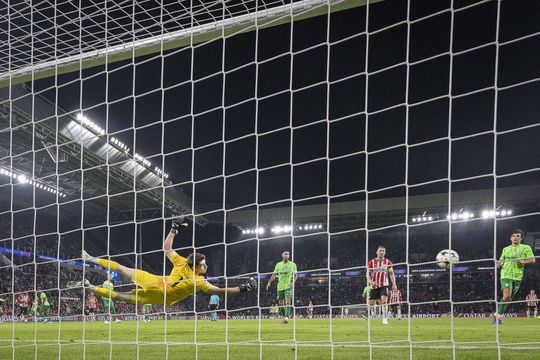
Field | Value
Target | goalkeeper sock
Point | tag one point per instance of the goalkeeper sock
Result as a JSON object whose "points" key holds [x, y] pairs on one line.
{"points": [[107, 264], [105, 293], [503, 305]]}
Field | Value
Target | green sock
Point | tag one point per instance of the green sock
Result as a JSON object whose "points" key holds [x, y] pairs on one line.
{"points": [[503, 305]]}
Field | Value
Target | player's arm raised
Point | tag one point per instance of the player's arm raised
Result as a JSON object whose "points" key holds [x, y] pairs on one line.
{"points": [[168, 243]]}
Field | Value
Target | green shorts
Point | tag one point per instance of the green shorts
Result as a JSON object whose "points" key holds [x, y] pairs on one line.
{"points": [[284, 294], [510, 284], [108, 306], [45, 310]]}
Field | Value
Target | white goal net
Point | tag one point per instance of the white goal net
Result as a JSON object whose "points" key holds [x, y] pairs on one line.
{"points": [[326, 129]]}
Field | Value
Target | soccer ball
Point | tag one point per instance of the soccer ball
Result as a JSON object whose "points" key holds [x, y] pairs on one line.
{"points": [[446, 258]]}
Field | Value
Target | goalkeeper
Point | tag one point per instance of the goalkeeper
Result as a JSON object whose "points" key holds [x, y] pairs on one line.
{"points": [[185, 278], [513, 259]]}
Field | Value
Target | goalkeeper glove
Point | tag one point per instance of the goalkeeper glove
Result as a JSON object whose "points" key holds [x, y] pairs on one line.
{"points": [[176, 223], [249, 285]]}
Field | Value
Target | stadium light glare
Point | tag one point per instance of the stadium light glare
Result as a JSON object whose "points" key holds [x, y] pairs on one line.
{"points": [[90, 124]]}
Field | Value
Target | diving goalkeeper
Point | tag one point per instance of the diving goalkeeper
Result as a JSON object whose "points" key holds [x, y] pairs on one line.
{"points": [[185, 279]]}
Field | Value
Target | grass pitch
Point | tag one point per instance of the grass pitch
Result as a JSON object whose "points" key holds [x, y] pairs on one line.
{"points": [[429, 339]]}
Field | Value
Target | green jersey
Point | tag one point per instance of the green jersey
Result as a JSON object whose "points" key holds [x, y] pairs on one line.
{"points": [[285, 272], [108, 285], [367, 289], [510, 254], [44, 300]]}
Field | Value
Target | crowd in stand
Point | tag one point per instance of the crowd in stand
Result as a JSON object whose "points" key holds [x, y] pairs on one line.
{"points": [[427, 295], [338, 282]]}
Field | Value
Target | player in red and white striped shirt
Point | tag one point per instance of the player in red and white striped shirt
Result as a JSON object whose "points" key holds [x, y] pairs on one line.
{"points": [[532, 301], [22, 301], [395, 300], [379, 271]]}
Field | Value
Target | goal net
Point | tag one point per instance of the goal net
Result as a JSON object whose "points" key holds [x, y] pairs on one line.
{"points": [[331, 130]]}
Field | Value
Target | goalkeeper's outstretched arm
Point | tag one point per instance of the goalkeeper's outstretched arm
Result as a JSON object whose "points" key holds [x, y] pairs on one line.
{"points": [[249, 285]]}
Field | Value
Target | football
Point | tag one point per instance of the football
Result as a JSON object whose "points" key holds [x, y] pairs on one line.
{"points": [[446, 258]]}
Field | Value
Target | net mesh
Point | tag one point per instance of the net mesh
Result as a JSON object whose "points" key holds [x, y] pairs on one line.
{"points": [[323, 128]]}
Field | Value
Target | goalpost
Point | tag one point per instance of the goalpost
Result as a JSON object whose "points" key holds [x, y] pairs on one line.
{"points": [[324, 128]]}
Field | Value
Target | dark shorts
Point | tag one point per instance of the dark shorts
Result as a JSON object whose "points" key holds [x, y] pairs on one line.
{"points": [[375, 294], [284, 294], [23, 310], [531, 308], [89, 311], [45, 309], [212, 307]]}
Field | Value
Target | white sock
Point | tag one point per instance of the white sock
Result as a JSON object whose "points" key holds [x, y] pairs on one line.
{"points": [[399, 313], [385, 311]]}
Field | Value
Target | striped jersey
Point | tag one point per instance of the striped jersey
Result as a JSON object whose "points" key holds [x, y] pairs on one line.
{"points": [[395, 297], [23, 300], [91, 301], [532, 299], [378, 270]]}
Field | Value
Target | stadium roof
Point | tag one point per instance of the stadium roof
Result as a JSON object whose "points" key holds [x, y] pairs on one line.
{"points": [[40, 151]]}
